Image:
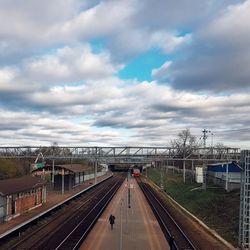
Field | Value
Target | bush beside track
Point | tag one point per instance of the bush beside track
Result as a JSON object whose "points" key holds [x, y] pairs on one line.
{"points": [[215, 207]]}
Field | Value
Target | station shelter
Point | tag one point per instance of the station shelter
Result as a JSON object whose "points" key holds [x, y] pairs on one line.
{"points": [[63, 177], [19, 195]]}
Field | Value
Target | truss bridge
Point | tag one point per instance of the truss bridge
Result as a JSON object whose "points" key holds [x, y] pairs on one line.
{"points": [[123, 154]]}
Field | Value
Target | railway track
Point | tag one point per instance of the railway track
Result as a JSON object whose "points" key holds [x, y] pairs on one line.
{"points": [[67, 228], [166, 221]]}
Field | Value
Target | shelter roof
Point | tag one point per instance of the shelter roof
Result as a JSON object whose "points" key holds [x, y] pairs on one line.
{"points": [[223, 167], [76, 168], [16, 185], [73, 168]]}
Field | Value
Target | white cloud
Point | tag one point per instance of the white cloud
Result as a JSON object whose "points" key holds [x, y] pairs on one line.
{"points": [[31, 21], [67, 65], [104, 18], [122, 111], [72, 64], [231, 26], [161, 72], [9, 77], [43, 129], [6, 75], [169, 42], [94, 92]]}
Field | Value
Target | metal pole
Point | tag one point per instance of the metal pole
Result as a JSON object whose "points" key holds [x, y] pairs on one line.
{"points": [[193, 173], [95, 174], [53, 173], [129, 195], [121, 227], [63, 181], [184, 164], [227, 177], [184, 171], [204, 185], [44, 194], [127, 213], [95, 165], [7, 207], [227, 173], [161, 169]]}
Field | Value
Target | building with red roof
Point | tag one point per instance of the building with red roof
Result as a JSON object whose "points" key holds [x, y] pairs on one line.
{"points": [[19, 195]]}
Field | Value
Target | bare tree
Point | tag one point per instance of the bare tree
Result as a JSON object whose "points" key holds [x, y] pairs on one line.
{"points": [[185, 143]]}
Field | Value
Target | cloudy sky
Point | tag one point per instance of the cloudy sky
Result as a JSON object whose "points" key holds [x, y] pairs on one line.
{"points": [[124, 72]]}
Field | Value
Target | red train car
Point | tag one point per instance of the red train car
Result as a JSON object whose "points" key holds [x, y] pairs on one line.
{"points": [[136, 172]]}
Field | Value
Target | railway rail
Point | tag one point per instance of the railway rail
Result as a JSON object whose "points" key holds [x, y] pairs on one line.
{"points": [[67, 228], [166, 221]]}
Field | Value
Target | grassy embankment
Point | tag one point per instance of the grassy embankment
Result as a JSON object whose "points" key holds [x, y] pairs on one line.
{"points": [[215, 207]]}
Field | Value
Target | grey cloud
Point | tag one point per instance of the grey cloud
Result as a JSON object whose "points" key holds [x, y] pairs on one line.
{"points": [[214, 72], [31, 26], [219, 57], [180, 14], [129, 123]]}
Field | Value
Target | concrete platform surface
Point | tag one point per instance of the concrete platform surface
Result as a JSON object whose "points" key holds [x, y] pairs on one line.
{"points": [[135, 228]]}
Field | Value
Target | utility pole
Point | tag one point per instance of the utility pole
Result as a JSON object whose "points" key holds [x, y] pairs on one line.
{"points": [[184, 163], [53, 174], [204, 137], [161, 171], [212, 144], [95, 165]]}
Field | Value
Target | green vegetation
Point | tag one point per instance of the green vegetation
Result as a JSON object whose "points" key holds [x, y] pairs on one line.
{"points": [[13, 168], [214, 206]]}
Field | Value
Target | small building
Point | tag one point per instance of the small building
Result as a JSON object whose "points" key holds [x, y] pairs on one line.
{"points": [[63, 176], [19, 195], [227, 175], [73, 175]]}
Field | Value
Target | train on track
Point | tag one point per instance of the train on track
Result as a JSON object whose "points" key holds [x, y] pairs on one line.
{"points": [[136, 172]]}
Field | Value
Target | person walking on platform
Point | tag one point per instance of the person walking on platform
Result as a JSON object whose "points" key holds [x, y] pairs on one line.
{"points": [[112, 220], [171, 242]]}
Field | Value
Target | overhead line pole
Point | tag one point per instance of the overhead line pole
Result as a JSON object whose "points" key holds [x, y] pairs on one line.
{"points": [[205, 136]]}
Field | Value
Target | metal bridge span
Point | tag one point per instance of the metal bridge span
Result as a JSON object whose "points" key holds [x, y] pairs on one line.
{"points": [[123, 154]]}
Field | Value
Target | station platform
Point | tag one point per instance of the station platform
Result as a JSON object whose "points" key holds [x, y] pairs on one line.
{"points": [[53, 199], [135, 228]]}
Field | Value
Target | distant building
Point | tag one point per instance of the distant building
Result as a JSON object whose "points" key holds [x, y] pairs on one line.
{"points": [[227, 175], [19, 195]]}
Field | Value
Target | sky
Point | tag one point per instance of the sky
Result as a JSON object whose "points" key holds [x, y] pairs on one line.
{"points": [[124, 72]]}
